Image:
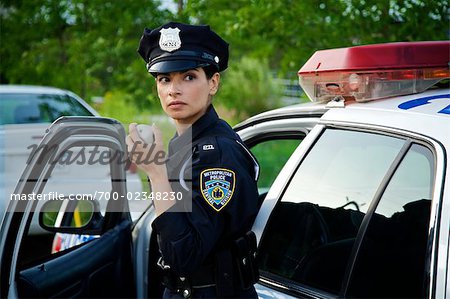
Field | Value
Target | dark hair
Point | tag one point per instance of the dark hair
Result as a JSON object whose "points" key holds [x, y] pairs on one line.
{"points": [[210, 70]]}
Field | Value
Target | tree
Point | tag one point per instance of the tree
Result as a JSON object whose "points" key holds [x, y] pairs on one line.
{"points": [[248, 88], [288, 32], [88, 46]]}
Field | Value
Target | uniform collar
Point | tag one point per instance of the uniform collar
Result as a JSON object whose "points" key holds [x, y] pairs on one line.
{"points": [[195, 131]]}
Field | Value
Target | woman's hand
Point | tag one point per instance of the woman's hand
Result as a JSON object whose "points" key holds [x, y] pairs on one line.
{"points": [[151, 158]]}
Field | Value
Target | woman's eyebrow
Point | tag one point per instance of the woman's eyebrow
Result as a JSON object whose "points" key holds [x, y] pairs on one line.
{"points": [[180, 72], [190, 70]]}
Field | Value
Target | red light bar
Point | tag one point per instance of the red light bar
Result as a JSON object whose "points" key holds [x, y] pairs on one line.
{"points": [[381, 56], [375, 71]]}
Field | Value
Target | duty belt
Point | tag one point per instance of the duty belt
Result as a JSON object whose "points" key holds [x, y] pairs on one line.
{"points": [[183, 285], [231, 270]]}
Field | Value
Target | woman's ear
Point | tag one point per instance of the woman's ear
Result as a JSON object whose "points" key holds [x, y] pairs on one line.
{"points": [[214, 84]]}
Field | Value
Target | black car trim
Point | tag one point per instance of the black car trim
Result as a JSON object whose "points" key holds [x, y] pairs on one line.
{"points": [[282, 135], [291, 287]]}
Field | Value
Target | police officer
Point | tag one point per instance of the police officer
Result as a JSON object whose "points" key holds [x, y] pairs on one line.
{"points": [[204, 240]]}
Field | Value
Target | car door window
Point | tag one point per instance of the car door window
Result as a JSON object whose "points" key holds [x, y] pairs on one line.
{"points": [[272, 154], [311, 232], [392, 258]]}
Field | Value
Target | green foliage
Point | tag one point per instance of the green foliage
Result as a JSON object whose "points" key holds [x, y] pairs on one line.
{"points": [[248, 88], [89, 46], [271, 156], [288, 32], [118, 105]]}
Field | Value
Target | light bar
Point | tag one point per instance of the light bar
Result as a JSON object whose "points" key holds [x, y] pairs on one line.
{"points": [[375, 71]]}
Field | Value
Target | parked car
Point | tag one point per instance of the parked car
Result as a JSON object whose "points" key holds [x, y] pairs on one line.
{"points": [[25, 114], [355, 191]]}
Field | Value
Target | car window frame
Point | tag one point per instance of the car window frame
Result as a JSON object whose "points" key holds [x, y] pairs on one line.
{"points": [[284, 179]]}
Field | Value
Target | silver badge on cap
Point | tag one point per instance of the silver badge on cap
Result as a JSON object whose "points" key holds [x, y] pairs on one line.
{"points": [[170, 39]]}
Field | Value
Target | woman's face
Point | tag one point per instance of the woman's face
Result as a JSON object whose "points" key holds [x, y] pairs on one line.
{"points": [[186, 95]]}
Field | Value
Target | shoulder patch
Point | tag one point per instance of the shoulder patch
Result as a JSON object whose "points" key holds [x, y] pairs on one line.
{"points": [[217, 186]]}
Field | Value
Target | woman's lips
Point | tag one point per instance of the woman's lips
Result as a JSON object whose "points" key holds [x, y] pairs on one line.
{"points": [[176, 104]]}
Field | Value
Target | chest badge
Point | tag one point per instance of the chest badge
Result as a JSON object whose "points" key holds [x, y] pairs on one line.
{"points": [[170, 39], [217, 186]]}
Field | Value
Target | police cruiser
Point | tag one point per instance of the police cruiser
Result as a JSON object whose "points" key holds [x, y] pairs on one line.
{"points": [[354, 190], [362, 207]]}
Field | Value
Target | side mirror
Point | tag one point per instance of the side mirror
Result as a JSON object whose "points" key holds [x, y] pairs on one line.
{"points": [[71, 216]]}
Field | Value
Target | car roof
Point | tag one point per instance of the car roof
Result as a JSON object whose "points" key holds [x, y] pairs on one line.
{"points": [[309, 109], [429, 103], [426, 113], [31, 89]]}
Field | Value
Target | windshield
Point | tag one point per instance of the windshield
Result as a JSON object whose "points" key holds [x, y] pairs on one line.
{"points": [[38, 108]]}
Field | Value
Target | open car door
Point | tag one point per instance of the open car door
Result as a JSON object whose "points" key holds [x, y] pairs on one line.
{"points": [[95, 212]]}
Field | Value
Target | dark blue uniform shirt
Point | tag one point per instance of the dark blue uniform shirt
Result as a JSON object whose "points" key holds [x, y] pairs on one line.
{"points": [[222, 184]]}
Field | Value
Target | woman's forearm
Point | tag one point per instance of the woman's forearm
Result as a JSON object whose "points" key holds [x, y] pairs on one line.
{"points": [[160, 185]]}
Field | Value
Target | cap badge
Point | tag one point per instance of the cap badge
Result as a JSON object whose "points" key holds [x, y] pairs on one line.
{"points": [[170, 39]]}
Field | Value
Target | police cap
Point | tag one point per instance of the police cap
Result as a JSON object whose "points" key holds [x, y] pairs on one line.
{"points": [[178, 47]]}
